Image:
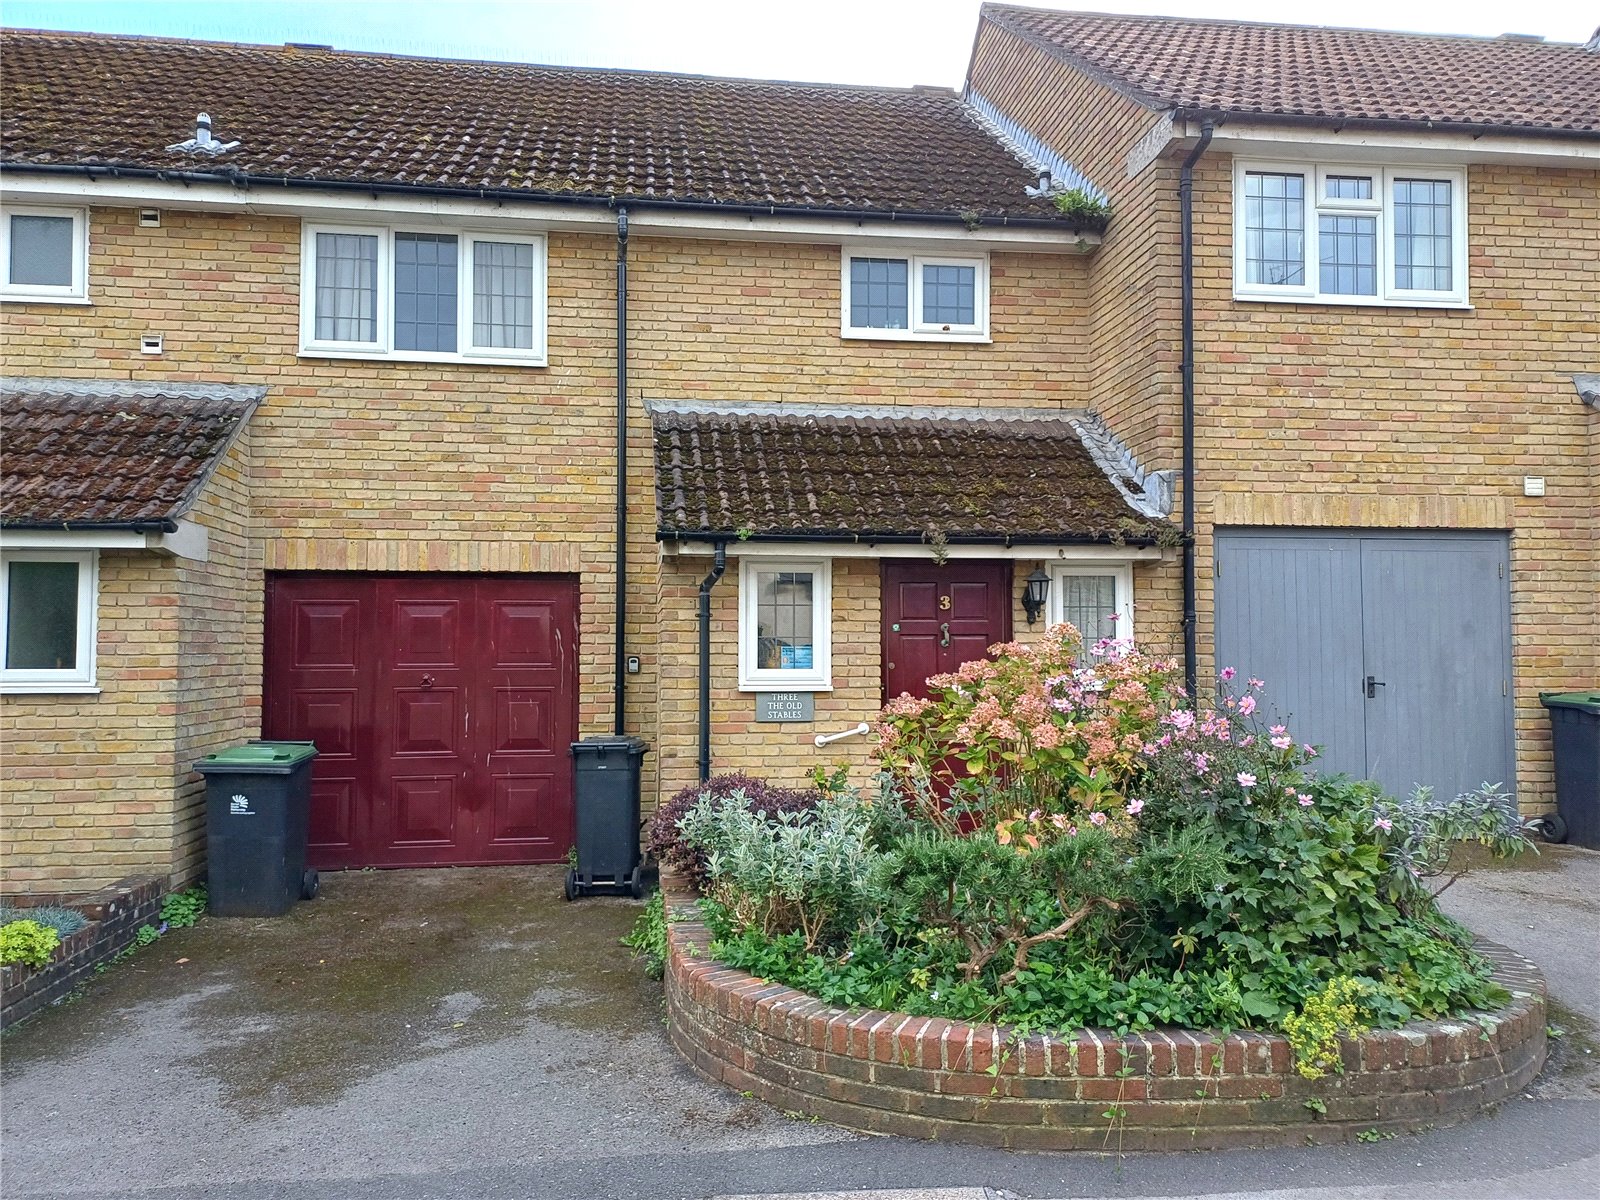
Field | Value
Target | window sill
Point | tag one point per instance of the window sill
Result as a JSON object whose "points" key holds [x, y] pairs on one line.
{"points": [[1351, 302], [48, 689], [446, 360], [787, 685], [30, 298], [908, 335]]}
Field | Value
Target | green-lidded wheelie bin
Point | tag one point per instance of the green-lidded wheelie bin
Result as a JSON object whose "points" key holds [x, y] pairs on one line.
{"points": [[258, 803], [606, 774], [1575, 735]]}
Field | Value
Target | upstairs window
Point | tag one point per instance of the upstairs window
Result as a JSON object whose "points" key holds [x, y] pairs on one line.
{"points": [[1350, 235], [423, 296], [44, 254], [897, 296]]}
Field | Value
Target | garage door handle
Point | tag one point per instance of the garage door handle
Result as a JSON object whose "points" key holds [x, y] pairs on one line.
{"points": [[1373, 684]]}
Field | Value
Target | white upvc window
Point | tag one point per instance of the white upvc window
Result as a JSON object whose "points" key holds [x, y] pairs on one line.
{"points": [[1348, 234], [1096, 599], [785, 625], [44, 255], [422, 295], [47, 620], [891, 295]]}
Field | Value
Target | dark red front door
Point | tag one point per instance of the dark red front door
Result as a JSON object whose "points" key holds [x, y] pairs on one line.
{"points": [[442, 706], [937, 617]]}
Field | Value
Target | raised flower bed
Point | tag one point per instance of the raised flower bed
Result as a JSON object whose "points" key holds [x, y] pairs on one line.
{"points": [[1164, 1089], [1079, 909]]}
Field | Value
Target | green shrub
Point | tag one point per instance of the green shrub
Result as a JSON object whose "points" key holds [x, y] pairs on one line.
{"points": [[65, 921], [648, 937], [811, 872], [27, 942], [182, 909], [1059, 845], [665, 842]]}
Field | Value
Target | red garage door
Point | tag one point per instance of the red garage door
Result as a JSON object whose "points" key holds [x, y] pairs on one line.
{"points": [[442, 706]]}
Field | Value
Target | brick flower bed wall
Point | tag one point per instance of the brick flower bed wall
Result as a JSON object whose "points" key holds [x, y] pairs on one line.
{"points": [[115, 914], [1176, 1089]]}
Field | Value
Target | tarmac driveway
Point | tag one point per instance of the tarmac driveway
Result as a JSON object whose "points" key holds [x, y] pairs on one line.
{"points": [[469, 1034]]}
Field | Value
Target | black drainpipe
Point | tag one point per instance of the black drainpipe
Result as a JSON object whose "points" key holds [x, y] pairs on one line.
{"points": [[619, 684], [1191, 614], [719, 564]]}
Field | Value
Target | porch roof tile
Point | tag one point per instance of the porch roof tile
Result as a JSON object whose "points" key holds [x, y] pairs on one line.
{"points": [[878, 473], [95, 454]]}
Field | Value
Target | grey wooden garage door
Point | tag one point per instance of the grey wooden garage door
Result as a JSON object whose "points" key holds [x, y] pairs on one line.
{"points": [[1390, 650]]}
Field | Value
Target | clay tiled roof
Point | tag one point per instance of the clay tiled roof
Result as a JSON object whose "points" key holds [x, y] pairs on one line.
{"points": [[1329, 76], [91, 454], [314, 114], [879, 474]]}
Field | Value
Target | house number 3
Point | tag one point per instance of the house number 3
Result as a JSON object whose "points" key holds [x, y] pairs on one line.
{"points": [[944, 603]]}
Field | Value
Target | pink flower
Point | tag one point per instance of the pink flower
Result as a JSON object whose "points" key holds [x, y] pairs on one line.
{"points": [[1098, 818], [1305, 800], [1135, 807], [1201, 762], [1181, 719], [1383, 823], [1257, 684], [1228, 673], [1283, 742], [1247, 706], [1311, 750], [1246, 779]]}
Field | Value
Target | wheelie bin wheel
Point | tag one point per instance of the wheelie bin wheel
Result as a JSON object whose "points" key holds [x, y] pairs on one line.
{"points": [[570, 889], [310, 885]]}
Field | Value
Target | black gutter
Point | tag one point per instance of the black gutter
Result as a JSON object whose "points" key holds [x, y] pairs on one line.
{"points": [[619, 683], [1191, 615], [899, 539], [719, 564], [159, 525], [243, 180]]}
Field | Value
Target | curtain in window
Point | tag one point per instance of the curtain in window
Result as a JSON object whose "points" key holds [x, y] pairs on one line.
{"points": [[502, 295], [347, 287], [1087, 603]]}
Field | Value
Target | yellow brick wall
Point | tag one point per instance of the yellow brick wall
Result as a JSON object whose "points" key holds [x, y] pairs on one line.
{"points": [[450, 467], [88, 779], [1318, 415], [1135, 297]]}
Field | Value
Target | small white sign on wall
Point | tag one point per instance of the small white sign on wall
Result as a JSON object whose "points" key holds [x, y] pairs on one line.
{"points": [[785, 706]]}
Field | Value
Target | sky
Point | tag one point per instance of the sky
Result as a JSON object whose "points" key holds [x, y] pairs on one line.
{"points": [[888, 42]]}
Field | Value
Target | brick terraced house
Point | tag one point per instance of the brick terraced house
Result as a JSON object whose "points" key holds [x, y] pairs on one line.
{"points": [[443, 411]]}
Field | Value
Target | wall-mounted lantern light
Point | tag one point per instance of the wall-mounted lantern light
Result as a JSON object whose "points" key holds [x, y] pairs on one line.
{"points": [[1035, 593]]}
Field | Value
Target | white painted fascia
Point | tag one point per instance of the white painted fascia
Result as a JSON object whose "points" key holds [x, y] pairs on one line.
{"points": [[1381, 146], [692, 548], [190, 540], [532, 215]]}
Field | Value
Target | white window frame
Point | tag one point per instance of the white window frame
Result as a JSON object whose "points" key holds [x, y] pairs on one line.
{"points": [[820, 677], [1381, 207], [383, 348], [919, 330], [1122, 573], [81, 677], [76, 292]]}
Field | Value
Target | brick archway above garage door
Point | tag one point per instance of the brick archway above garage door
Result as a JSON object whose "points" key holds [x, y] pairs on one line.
{"points": [[442, 707]]}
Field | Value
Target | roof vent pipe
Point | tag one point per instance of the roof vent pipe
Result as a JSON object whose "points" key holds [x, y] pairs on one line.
{"points": [[202, 142], [1045, 181]]}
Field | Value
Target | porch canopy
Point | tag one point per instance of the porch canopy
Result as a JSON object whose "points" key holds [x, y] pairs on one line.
{"points": [[881, 475], [112, 463]]}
